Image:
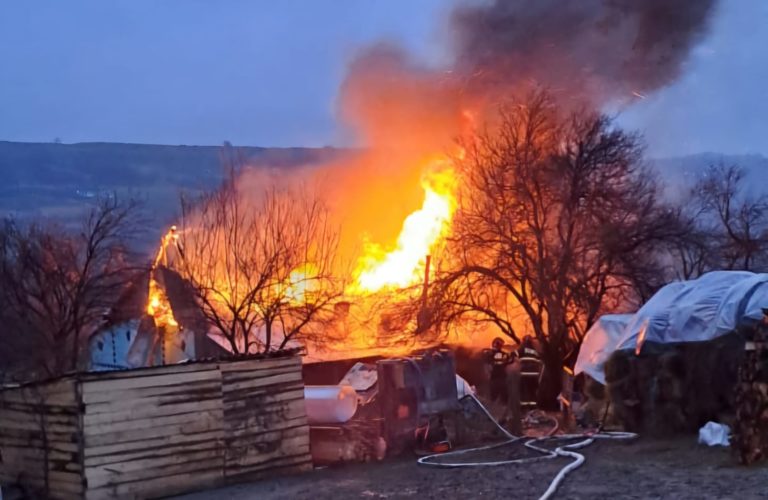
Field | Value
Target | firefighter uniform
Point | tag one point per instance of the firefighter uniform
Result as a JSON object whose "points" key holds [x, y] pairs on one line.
{"points": [[530, 373], [499, 362]]}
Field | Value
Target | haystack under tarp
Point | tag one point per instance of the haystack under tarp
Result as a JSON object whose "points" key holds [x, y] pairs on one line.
{"points": [[698, 310]]}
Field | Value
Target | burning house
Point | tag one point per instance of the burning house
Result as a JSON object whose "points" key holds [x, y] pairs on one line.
{"points": [[132, 337], [155, 322]]}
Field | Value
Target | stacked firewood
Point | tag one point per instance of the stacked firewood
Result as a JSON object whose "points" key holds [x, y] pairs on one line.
{"points": [[750, 433], [670, 388]]}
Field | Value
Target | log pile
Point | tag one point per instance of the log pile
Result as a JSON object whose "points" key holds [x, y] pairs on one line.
{"points": [[155, 431], [671, 388]]}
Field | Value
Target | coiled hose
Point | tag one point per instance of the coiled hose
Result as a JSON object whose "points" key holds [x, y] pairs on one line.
{"points": [[565, 450]]}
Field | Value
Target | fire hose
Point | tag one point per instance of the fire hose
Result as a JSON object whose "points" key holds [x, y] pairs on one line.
{"points": [[565, 450]]}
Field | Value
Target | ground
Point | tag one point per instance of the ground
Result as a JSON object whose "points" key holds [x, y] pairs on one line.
{"points": [[643, 469]]}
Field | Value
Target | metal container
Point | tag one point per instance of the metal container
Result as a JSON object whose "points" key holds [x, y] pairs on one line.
{"points": [[412, 389], [329, 404]]}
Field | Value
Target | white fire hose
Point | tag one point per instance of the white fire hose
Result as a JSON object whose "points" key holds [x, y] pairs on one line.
{"points": [[561, 451]]}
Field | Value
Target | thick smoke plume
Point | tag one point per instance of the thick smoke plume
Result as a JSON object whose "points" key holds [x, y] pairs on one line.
{"points": [[586, 52], [597, 50]]}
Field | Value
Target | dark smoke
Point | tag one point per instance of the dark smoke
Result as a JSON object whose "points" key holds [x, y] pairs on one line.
{"points": [[598, 50]]}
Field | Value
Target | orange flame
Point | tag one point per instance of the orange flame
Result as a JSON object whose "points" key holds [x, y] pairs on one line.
{"points": [[403, 265], [158, 305]]}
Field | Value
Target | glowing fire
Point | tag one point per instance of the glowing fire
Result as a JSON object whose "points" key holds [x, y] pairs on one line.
{"points": [[301, 283], [158, 305], [403, 265]]}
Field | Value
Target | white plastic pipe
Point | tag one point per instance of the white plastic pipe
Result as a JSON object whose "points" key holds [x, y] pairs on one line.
{"points": [[330, 404]]}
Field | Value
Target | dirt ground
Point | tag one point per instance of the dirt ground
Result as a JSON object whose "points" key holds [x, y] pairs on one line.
{"points": [[644, 468]]}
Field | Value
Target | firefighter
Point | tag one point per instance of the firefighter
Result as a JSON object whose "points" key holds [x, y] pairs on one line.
{"points": [[505, 384], [499, 359], [750, 433], [530, 371]]}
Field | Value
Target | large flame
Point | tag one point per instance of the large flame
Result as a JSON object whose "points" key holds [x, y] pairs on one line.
{"points": [[403, 265], [158, 305]]}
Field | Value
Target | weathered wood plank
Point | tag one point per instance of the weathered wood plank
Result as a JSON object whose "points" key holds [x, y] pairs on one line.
{"points": [[298, 462], [265, 398], [167, 485], [270, 421], [152, 412], [51, 410], [32, 426], [129, 396], [263, 439], [270, 395], [256, 406], [155, 380], [261, 382], [155, 431], [130, 425], [58, 459], [266, 456], [134, 403], [169, 442], [58, 392], [52, 401], [150, 451], [104, 475], [35, 437], [259, 365], [57, 490], [24, 415], [13, 440], [234, 377], [150, 372]]}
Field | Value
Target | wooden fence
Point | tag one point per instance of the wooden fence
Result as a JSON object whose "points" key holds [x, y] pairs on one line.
{"points": [[155, 431]]}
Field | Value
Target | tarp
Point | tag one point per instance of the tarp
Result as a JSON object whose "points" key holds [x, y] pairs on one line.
{"points": [[599, 342], [685, 311]]}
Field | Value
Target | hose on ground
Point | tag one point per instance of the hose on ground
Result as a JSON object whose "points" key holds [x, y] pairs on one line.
{"points": [[565, 450]]}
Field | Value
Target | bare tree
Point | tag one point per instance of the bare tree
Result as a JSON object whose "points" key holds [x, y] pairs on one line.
{"points": [[56, 285], [260, 266], [559, 220], [731, 226]]}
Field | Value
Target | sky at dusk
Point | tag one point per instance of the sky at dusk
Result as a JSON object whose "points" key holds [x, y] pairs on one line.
{"points": [[267, 73]]}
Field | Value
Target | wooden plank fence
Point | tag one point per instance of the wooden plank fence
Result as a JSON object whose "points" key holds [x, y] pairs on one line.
{"points": [[156, 431]]}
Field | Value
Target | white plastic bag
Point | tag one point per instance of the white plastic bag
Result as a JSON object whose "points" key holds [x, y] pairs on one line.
{"points": [[714, 434]]}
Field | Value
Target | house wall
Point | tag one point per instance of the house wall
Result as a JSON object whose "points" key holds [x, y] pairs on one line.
{"points": [[121, 346], [109, 348], [162, 431]]}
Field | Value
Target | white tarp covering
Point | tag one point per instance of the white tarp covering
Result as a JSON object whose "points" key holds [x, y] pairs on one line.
{"points": [[685, 311], [599, 342]]}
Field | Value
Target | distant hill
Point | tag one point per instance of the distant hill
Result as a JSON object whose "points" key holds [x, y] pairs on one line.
{"points": [[682, 172], [61, 180]]}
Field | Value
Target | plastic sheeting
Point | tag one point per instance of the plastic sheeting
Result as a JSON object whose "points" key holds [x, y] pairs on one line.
{"points": [[599, 342], [686, 311]]}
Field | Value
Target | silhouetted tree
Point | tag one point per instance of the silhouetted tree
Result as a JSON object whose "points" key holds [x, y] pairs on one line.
{"points": [[259, 264], [729, 226], [56, 284], [558, 222]]}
